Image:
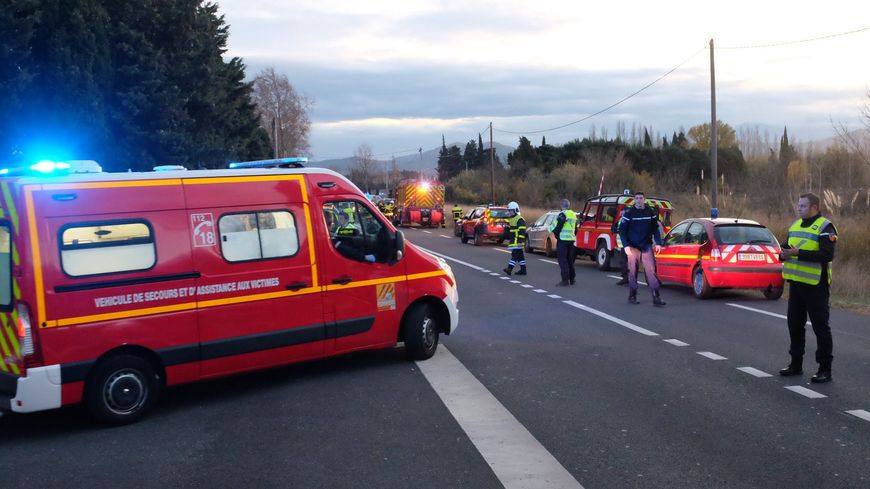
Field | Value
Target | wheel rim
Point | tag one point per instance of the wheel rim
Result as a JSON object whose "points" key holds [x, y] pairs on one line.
{"points": [[698, 283], [429, 333], [602, 255], [124, 392]]}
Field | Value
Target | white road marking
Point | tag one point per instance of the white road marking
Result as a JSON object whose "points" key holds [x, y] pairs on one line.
{"points": [[515, 281], [494, 274], [506, 278], [486, 271], [554, 296], [548, 261], [503, 251], [860, 413], [526, 286], [450, 258], [541, 291], [754, 372], [676, 342], [608, 317], [805, 392], [620, 278], [513, 454], [444, 236], [760, 311], [711, 355], [427, 232]]}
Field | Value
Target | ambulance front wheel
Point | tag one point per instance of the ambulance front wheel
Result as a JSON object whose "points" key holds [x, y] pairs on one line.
{"points": [[121, 389], [420, 332]]}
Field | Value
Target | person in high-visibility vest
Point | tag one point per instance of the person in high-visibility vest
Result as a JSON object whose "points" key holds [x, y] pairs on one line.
{"points": [[457, 213], [517, 236], [806, 265], [564, 227]]}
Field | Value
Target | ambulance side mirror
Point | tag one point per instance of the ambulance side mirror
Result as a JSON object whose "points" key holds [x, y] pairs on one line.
{"points": [[400, 245]]}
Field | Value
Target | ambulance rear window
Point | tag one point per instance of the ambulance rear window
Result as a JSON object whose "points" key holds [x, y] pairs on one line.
{"points": [[5, 266], [98, 248]]}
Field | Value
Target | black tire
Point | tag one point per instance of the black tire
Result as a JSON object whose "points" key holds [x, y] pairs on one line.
{"points": [[420, 332], [772, 293], [478, 239], [463, 237], [121, 389], [700, 286], [603, 256]]}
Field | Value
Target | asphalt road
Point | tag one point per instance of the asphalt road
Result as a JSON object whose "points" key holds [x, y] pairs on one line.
{"points": [[533, 390]]}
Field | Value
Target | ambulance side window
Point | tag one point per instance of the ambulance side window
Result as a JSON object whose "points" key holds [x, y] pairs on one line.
{"points": [[258, 235], [356, 233], [97, 248]]}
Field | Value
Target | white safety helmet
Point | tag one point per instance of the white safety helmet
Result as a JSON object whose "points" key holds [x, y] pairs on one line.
{"points": [[514, 206]]}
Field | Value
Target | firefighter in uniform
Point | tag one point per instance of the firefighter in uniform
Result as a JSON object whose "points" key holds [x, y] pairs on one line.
{"points": [[346, 238], [565, 228], [806, 256], [517, 236], [457, 213]]}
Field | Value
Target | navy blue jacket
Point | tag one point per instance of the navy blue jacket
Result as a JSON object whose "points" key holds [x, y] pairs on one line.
{"points": [[639, 227]]}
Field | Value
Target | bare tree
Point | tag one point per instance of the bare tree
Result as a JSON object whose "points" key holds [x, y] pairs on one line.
{"points": [[364, 169], [283, 113]]}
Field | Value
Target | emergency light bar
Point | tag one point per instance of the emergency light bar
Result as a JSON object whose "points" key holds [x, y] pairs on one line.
{"points": [[169, 168], [293, 162]]}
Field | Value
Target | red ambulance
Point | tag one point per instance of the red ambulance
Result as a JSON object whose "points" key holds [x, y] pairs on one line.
{"points": [[116, 285]]}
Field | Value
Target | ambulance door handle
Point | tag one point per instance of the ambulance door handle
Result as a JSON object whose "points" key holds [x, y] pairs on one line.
{"points": [[297, 286], [342, 280]]}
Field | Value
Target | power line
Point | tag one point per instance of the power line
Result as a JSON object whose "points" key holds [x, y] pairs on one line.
{"points": [[620, 101], [798, 41]]}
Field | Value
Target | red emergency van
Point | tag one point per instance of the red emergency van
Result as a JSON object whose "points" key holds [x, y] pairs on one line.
{"points": [[116, 285]]}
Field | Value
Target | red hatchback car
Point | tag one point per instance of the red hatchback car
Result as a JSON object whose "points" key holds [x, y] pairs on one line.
{"points": [[709, 254]]}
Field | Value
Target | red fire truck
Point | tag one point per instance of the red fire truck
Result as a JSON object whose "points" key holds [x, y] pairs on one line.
{"points": [[116, 285], [419, 202]]}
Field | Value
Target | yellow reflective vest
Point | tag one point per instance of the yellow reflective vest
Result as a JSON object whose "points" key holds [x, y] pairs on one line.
{"points": [[569, 228], [805, 238], [517, 231]]}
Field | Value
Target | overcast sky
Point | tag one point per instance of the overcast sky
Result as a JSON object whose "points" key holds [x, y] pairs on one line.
{"points": [[398, 74]]}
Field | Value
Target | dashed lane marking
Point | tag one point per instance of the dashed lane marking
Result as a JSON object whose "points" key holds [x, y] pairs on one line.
{"points": [[444, 236], [540, 291], [506, 278], [554, 296], [427, 232], [805, 392], [494, 274], [620, 278], [548, 261], [513, 454], [860, 413], [610, 318], [754, 372], [515, 281], [526, 286], [486, 271], [711, 355], [676, 342]]}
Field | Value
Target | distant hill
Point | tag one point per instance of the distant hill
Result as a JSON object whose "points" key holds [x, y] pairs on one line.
{"points": [[428, 163]]}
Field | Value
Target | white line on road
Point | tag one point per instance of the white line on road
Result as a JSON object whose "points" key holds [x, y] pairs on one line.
{"points": [[620, 278], [515, 281], [526, 286], [450, 258], [549, 261], [506, 278], [427, 232], [676, 342], [494, 274], [486, 271], [503, 251], [754, 372], [711, 355], [554, 296], [760, 311], [860, 413], [541, 291], [805, 392], [513, 454], [444, 236], [608, 317]]}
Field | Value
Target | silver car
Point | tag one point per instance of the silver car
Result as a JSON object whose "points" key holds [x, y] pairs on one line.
{"points": [[538, 236]]}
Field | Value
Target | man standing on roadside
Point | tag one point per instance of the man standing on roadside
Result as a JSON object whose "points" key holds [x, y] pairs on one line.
{"points": [[641, 235], [806, 265], [565, 228]]}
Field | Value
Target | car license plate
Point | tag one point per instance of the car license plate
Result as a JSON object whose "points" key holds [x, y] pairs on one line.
{"points": [[752, 256]]}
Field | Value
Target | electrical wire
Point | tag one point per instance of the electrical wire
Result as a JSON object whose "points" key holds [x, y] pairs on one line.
{"points": [[798, 41], [618, 102]]}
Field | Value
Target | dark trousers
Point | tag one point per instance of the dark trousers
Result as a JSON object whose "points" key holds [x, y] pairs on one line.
{"points": [[813, 301], [623, 267], [518, 257], [565, 251]]}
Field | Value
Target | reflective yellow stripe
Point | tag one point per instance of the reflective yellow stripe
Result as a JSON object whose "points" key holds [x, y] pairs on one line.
{"points": [[124, 314], [10, 205], [12, 334], [257, 297], [688, 257], [37, 260]]}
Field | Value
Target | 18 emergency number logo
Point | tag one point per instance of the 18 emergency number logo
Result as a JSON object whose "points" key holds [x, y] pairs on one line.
{"points": [[203, 229]]}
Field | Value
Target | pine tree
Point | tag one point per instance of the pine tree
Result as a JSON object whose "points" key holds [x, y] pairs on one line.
{"points": [[647, 141], [469, 157], [481, 152], [787, 152]]}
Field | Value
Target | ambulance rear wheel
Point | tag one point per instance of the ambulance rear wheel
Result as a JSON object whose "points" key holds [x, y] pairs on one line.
{"points": [[121, 389], [420, 332], [772, 293], [700, 287]]}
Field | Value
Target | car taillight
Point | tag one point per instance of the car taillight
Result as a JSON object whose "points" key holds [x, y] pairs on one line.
{"points": [[715, 254], [25, 333]]}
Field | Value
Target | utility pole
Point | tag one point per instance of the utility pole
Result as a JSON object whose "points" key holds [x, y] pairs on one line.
{"points": [[491, 165], [714, 139], [420, 173]]}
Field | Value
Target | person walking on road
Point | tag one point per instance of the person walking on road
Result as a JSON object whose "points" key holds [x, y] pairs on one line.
{"points": [[565, 229], [457, 213], [806, 265], [641, 236], [517, 236]]}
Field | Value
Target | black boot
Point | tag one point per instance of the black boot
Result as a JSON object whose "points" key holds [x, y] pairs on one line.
{"points": [[794, 368], [632, 296], [622, 281], [657, 300], [563, 283], [571, 281], [522, 270], [509, 270], [823, 375]]}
